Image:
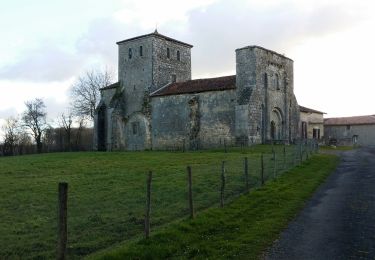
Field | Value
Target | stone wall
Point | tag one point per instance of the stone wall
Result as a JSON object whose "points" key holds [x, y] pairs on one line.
{"points": [[201, 120], [164, 67], [344, 134], [135, 73], [265, 84], [313, 121]]}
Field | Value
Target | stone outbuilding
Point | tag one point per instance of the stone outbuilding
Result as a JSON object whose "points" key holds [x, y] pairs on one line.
{"points": [[156, 105], [355, 130], [311, 123]]}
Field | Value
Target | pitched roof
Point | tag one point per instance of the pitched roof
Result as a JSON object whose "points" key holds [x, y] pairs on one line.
{"points": [[114, 85], [197, 85], [353, 120], [309, 110], [156, 34]]}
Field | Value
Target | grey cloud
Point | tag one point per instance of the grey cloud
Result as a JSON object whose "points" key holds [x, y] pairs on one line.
{"points": [[215, 32], [46, 63], [225, 26]]}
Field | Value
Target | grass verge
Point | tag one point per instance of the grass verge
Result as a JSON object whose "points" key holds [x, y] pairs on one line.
{"points": [[243, 229]]}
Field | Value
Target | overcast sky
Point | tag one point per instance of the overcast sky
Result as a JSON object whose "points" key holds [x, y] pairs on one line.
{"points": [[45, 45]]}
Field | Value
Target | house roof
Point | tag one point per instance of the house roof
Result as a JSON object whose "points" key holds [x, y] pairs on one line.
{"points": [[114, 85], [309, 110], [158, 35], [197, 85], [353, 120]]}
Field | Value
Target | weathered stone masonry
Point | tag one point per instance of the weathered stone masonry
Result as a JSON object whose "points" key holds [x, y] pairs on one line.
{"points": [[156, 105]]}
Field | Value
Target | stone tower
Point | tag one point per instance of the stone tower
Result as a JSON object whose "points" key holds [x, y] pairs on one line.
{"points": [[145, 64], [149, 62], [267, 108]]}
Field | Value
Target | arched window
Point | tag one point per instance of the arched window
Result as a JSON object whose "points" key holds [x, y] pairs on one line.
{"points": [[130, 54], [277, 83], [168, 53], [178, 56], [141, 51]]}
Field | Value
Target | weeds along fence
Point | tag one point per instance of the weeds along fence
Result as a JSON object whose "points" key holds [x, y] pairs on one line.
{"points": [[87, 223]]}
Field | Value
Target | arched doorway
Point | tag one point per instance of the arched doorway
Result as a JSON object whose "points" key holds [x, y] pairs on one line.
{"points": [[273, 130], [276, 124], [101, 128], [138, 136]]}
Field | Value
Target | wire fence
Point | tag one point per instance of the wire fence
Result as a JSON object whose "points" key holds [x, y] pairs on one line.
{"points": [[156, 198]]}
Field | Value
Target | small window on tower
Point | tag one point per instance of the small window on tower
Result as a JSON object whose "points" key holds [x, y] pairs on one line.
{"points": [[141, 51], [178, 56], [174, 78], [277, 84], [130, 53], [168, 53]]}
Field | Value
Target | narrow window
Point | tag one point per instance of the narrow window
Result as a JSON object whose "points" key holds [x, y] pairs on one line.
{"points": [[174, 78], [141, 51], [277, 84], [178, 56], [135, 128], [348, 127], [168, 53], [130, 53], [265, 80]]}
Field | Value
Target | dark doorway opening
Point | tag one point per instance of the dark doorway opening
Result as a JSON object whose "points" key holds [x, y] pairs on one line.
{"points": [[101, 129], [273, 130]]}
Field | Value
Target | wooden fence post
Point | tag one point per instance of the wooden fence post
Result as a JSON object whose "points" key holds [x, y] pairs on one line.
{"points": [[148, 205], [246, 170], [262, 169], [300, 153], [222, 190], [190, 187], [63, 221], [225, 146]]}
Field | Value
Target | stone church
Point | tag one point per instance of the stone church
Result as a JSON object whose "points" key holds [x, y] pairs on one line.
{"points": [[156, 105]]}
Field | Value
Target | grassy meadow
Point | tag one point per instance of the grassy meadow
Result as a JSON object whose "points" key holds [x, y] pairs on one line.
{"points": [[244, 229], [107, 194]]}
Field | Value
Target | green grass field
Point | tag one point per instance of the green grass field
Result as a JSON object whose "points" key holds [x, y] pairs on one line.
{"points": [[242, 230], [106, 201]]}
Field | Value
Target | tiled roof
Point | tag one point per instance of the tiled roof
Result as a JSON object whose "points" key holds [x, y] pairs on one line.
{"points": [[353, 120], [114, 85], [156, 34], [309, 110], [197, 85]]}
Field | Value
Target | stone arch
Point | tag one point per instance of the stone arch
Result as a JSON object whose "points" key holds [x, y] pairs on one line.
{"points": [[137, 132], [102, 129], [276, 124]]}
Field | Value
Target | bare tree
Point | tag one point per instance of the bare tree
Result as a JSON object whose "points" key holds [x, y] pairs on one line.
{"points": [[66, 122], [85, 92], [11, 130], [34, 118], [81, 125]]}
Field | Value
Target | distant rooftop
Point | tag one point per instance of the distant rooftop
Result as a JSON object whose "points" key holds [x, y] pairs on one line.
{"points": [[197, 85], [353, 120], [158, 35], [309, 110]]}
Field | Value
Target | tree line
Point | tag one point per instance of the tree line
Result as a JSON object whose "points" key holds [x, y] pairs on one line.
{"points": [[31, 132]]}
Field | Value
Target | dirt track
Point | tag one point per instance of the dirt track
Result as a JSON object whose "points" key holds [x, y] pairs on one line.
{"points": [[339, 221]]}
